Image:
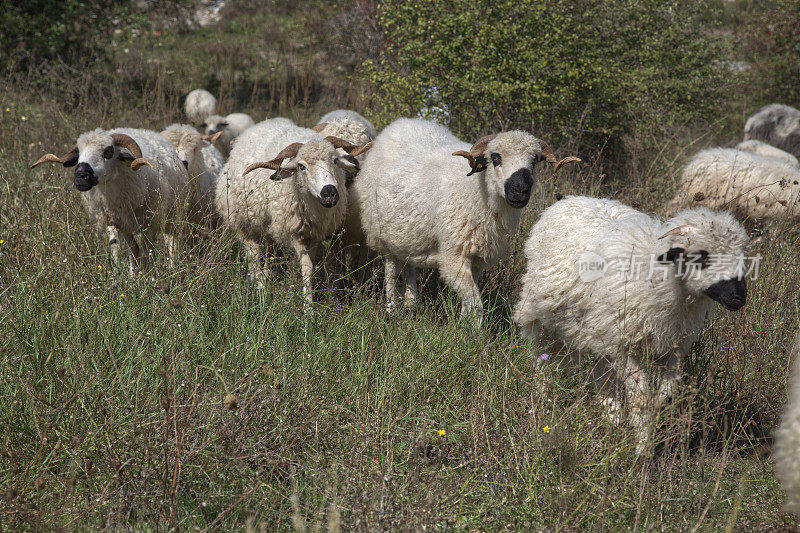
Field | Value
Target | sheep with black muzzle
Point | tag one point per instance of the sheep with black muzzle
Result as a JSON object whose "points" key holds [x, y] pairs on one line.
{"points": [[775, 124], [199, 105], [131, 181], [620, 286], [285, 184], [429, 200], [229, 128]]}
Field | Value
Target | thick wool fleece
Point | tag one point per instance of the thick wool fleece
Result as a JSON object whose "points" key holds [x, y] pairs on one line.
{"points": [[750, 186], [776, 124], [352, 116], [420, 209], [624, 313], [200, 104], [130, 200], [767, 150], [787, 438]]}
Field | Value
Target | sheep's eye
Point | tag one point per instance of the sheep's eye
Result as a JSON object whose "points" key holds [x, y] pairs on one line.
{"points": [[301, 166], [699, 258], [185, 164], [203, 125], [108, 153], [496, 159]]}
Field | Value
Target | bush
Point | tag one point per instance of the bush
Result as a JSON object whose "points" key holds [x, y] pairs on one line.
{"points": [[72, 31], [497, 64]]}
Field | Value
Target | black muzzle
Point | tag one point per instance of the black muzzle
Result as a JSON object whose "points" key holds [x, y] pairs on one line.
{"points": [[328, 196], [518, 188], [730, 293], [84, 178]]}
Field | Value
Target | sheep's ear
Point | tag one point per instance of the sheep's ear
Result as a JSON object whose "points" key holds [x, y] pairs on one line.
{"points": [[284, 172], [347, 162], [672, 255], [72, 161]]}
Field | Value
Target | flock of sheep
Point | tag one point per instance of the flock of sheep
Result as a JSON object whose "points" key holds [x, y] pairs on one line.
{"points": [[419, 197]]}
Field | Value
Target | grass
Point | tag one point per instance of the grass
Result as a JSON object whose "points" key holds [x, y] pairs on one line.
{"points": [[192, 402]]}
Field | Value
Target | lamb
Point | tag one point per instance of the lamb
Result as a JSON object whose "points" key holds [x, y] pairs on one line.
{"points": [[751, 186], [421, 207], [231, 127], [285, 184], [131, 181], [787, 438], [606, 280], [199, 105], [767, 150], [776, 124], [348, 114], [191, 147]]}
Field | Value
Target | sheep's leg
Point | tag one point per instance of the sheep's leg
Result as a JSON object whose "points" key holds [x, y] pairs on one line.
{"points": [[114, 244], [307, 270], [171, 244], [148, 238], [636, 391], [391, 271], [134, 253], [458, 274], [255, 256], [411, 292]]}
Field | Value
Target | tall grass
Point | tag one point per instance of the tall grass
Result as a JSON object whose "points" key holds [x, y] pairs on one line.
{"points": [[184, 399]]}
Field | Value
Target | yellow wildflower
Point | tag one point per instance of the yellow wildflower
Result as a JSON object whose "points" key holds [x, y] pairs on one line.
{"points": [[546, 429], [442, 432]]}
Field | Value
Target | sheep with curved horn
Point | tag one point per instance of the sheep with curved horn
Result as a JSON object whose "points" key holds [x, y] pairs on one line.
{"points": [[285, 184], [131, 181], [421, 207]]}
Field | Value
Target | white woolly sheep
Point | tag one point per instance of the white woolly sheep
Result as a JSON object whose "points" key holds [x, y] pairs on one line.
{"points": [[775, 124], [767, 150], [749, 185], [199, 105], [190, 146], [131, 181], [353, 116], [787, 437], [612, 282], [230, 126], [423, 206], [285, 184]]}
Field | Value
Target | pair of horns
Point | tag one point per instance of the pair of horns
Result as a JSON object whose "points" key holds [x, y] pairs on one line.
{"points": [[291, 151], [680, 231], [120, 139], [477, 161]]}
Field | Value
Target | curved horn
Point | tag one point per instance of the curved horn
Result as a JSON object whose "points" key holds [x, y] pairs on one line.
{"points": [[475, 155], [275, 164], [52, 158], [212, 138], [550, 157], [351, 149], [127, 142], [319, 127], [686, 229]]}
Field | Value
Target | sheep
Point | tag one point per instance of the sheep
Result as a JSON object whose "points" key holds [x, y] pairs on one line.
{"points": [[260, 204], [131, 181], [787, 438], [751, 186], [776, 124], [607, 280], [199, 105], [421, 207], [369, 129], [767, 150], [231, 127], [191, 148]]}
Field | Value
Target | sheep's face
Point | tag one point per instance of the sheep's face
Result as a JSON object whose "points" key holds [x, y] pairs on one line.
{"points": [[187, 142], [214, 124], [709, 254], [318, 169], [97, 155], [509, 159]]}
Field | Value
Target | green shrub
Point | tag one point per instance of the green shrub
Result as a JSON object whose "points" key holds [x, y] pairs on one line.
{"points": [[494, 64]]}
